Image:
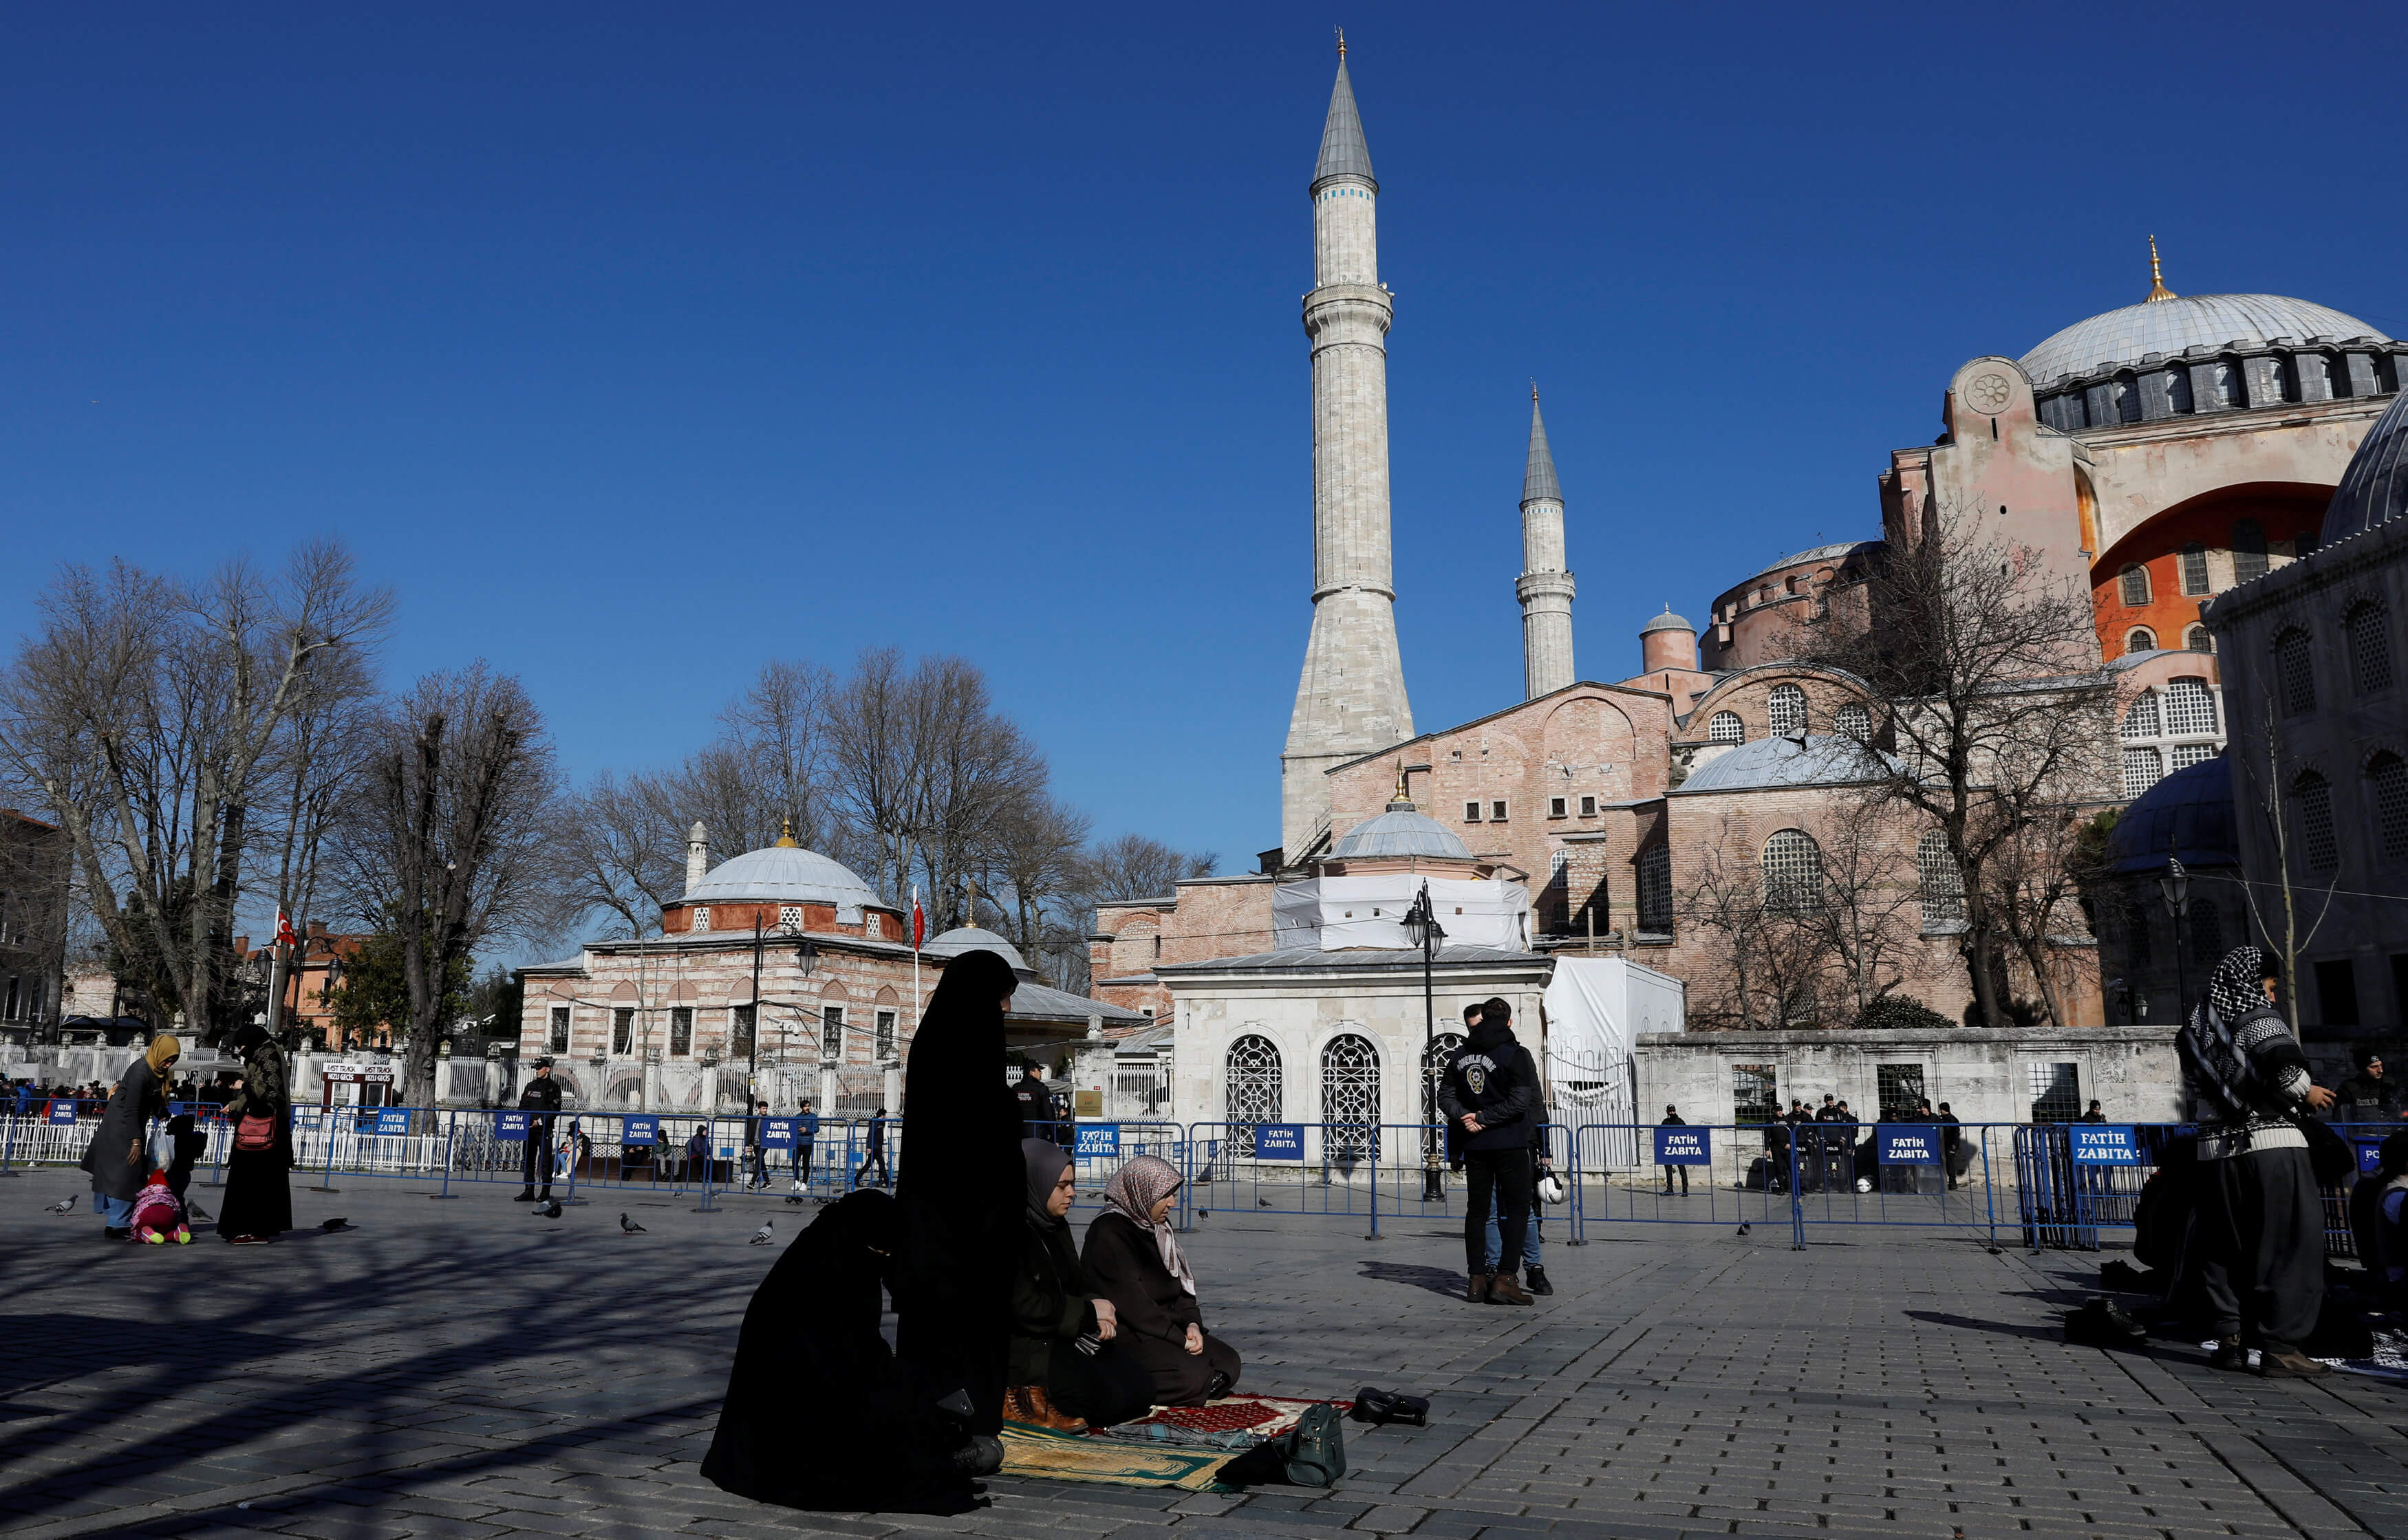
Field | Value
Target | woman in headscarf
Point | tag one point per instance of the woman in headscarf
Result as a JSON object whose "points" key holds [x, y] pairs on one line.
{"points": [[1133, 1256], [1068, 1371], [258, 1206], [818, 1414], [2260, 1217], [117, 1157], [958, 1188]]}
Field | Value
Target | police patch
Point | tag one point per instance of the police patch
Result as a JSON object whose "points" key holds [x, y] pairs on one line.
{"points": [[1476, 1077]]}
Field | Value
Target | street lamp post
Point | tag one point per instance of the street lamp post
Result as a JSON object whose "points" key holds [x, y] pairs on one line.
{"points": [[2175, 888], [1422, 929]]}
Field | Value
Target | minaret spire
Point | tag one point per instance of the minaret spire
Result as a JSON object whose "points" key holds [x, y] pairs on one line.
{"points": [[1544, 587], [1350, 699]]}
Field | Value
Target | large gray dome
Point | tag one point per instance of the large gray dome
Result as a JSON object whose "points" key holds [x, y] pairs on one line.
{"points": [[2168, 326], [2374, 489], [1400, 835], [786, 873]]}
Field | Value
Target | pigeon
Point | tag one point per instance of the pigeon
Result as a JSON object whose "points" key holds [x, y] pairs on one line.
{"points": [[628, 1226], [1262, 1203], [332, 1225], [196, 1211], [1742, 1229], [550, 1210], [761, 1237], [66, 1207]]}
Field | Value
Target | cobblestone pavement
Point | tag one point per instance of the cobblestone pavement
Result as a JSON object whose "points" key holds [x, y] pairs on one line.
{"points": [[468, 1369]]}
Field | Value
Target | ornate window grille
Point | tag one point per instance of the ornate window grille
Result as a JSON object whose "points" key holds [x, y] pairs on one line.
{"points": [[680, 1031], [2191, 707], [1785, 706], [2370, 647], [2391, 779], [2205, 923], [2317, 821], [702, 917], [623, 1030], [831, 1033], [2187, 754], [1251, 1083], [1442, 1049], [1655, 889], [1793, 873], [1943, 885], [1725, 728], [740, 1027], [1350, 1095], [1756, 1093], [789, 916], [2294, 674], [2142, 767], [885, 1036], [1855, 722], [559, 1029], [2143, 718]]}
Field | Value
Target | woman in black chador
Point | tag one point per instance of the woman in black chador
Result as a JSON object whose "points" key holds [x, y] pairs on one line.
{"points": [[959, 1190], [818, 1414], [258, 1202]]}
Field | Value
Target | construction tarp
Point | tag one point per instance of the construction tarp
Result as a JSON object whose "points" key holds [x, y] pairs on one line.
{"points": [[1596, 1006], [1335, 913]]}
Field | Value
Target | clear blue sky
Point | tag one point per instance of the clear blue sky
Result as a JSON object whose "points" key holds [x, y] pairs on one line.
{"points": [[634, 346]]}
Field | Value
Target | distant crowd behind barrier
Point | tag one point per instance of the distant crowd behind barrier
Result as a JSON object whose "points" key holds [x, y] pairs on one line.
{"points": [[2045, 1185]]}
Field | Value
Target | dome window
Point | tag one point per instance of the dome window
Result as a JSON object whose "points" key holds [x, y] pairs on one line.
{"points": [[1793, 873], [2141, 720], [1786, 708], [2294, 674], [2370, 647], [789, 916], [2142, 767], [1855, 722], [2191, 707], [2135, 581], [1725, 728], [701, 920]]}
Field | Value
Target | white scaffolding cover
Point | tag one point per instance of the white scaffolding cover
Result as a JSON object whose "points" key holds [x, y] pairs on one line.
{"points": [[1335, 913], [1595, 1008]]}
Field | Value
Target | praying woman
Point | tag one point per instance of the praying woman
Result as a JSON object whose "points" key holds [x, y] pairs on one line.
{"points": [[1135, 1257], [1069, 1371]]}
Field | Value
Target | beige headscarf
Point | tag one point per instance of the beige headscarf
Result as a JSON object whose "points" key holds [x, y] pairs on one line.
{"points": [[1132, 1194], [163, 1050]]}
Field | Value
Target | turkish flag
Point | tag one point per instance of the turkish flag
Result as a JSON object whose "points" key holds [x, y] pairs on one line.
{"points": [[284, 936], [918, 921]]}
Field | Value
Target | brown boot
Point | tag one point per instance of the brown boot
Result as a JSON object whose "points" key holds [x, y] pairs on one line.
{"points": [[1502, 1290], [1478, 1292], [1027, 1404], [2290, 1367]]}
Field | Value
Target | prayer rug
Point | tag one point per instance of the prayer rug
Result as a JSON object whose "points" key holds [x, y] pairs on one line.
{"points": [[1124, 1463], [1253, 1417]]}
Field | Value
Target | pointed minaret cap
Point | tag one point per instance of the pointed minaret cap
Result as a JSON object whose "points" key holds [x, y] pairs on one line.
{"points": [[1343, 153], [1402, 802], [2157, 290], [1538, 477]]}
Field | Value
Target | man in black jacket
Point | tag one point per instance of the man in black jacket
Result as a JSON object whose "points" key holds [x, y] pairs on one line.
{"points": [[543, 1098], [1492, 1094]]}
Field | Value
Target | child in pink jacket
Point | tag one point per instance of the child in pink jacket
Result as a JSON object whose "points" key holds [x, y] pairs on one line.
{"points": [[158, 1218]]}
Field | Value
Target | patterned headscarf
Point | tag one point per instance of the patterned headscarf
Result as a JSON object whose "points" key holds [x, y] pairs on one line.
{"points": [[1132, 1194], [2232, 989]]}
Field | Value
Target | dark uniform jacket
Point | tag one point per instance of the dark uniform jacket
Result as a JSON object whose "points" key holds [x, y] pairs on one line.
{"points": [[1492, 1077]]}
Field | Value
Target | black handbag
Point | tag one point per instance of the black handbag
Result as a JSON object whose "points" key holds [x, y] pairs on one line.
{"points": [[2329, 1155]]}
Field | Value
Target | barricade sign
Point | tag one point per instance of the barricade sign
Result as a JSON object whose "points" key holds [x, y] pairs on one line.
{"points": [[1679, 1146], [1098, 1140], [2370, 1156], [2104, 1144], [1912, 1146], [1279, 1142], [62, 1112], [509, 1127], [392, 1120], [640, 1130], [776, 1133]]}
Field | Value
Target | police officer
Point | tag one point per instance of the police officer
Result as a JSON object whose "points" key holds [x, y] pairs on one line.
{"points": [[541, 1098], [1036, 1104]]}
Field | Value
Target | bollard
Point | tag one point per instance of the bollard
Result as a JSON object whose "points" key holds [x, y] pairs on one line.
{"points": [[451, 1133], [1375, 1184]]}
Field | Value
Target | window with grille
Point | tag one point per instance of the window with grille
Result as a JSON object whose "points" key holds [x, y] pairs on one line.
{"points": [[1471, 812], [702, 917], [2194, 568], [2141, 770], [2205, 922], [623, 1030], [1441, 1053], [1589, 808], [1557, 807], [2293, 674], [2248, 551], [1497, 812], [2136, 586], [560, 1029], [2390, 779], [739, 1029], [2191, 707], [2370, 649], [2055, 1092], [1756, 1093], [1251, 1085], [789, 916], [1725, 728], [2199, 639], [2138, 950], [2187, 754], [1793, 873], [1785, 706], [2141, 639], [2142, 720], [2316, 822], [886, 1020], [680, 1031], [1898, 1090], [1943, 885], [1349, 1083], [831, 1033], [1800, 1007], [1855, 721], [1655, 889]]}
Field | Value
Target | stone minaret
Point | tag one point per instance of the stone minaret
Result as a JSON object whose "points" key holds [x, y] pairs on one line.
{"points": [[1352, 697], [1545, 589], [698, 855]]}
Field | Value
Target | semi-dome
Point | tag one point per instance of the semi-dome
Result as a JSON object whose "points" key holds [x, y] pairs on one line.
{"points": [[1815, 760], [786, 873], [1400, 833], [2187, 815], [2374, 489], [2171, 325]]}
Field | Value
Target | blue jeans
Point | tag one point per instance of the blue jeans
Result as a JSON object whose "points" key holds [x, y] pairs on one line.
{"points": [[115, 1213], [1530, 1239]]}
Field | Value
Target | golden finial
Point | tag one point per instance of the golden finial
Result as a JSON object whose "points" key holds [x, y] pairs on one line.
{"points": [[2157, 289], [1534, 392], [786, 834], [1402, 802], [1342, 42]]}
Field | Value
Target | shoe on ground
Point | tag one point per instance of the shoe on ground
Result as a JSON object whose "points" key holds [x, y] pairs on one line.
{"points": [[1027, 1404], [1537, 1282], [2290, 1367], [2231, 1356], [1502, 1290], [154, 1239], [526, 1195], [981, 1456], [1478, 1291]]}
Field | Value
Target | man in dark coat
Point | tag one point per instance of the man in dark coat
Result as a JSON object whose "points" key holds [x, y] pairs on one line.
{"points": [[1491, 1090], [541, 1098], [1672, 1119], [1036, 1104], [116, 1156], [2367, 1097]]}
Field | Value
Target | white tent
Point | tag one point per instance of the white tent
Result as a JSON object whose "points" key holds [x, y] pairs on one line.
{"points": [[1335, 913], [1595, 1008]]}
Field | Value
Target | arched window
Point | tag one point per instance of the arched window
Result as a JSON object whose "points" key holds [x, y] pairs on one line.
{"points": [[1349, 1090], [2135, 580], [2390, 779], [2141, 720], [2205, 923], [1793, 873], [1251, 1087], [2248, 551], [2294, 675], [2316, 822], [2194, 568], [1855, 722], [1656, 889], [2141, 769], [1943, 885], [1785, 706], [2370, 647], [1725, 728], [1434, 1062], [2199, 639], [2191, 707], [2184, 755], [2140, 639]]}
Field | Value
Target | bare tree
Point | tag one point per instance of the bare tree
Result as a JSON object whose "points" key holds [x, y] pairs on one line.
{"points": [[146, 710], [1134, 866], [2289, 938], [621, 852], [1871, 901], [1726, 905], [448, 842], [1034, 869], [1998, 703]]}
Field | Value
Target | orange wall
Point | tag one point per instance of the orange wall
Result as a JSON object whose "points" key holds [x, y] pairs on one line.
{"points": [[2284, 512]]}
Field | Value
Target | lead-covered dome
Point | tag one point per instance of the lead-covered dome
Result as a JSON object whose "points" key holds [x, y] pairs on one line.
{"points": [[2187, 815], [2171, 327], [976, 938], [1815, 760], [786, 873], [2374, 489], [1400, 834]]}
